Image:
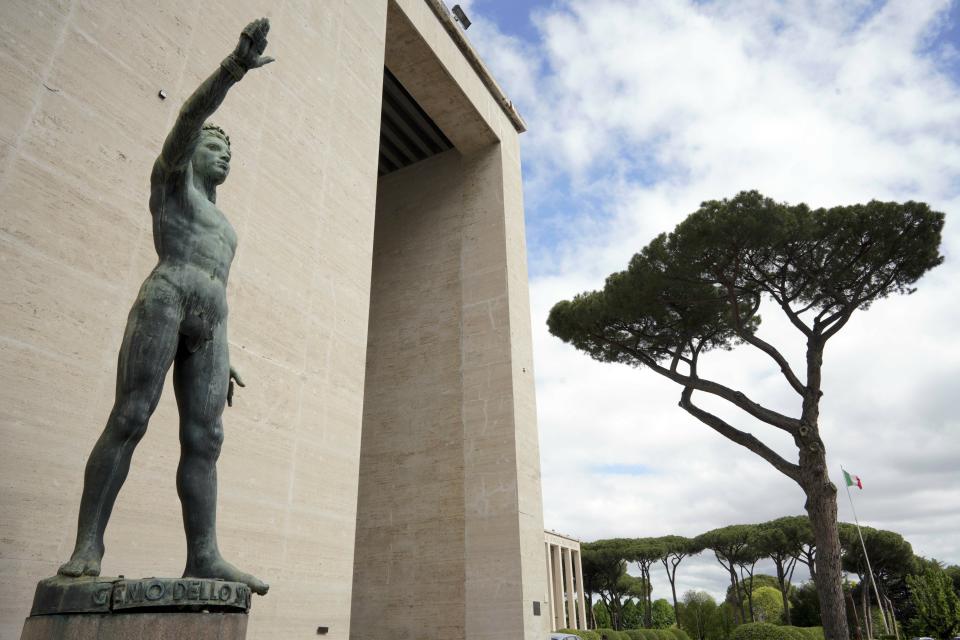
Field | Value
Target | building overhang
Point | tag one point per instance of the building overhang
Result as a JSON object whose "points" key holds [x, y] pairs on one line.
{"points": [[460, 39]]}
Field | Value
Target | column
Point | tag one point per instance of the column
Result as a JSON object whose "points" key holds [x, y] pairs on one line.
{"points": [[581, 605], [550, 598], [557, 588], [568, 583]]}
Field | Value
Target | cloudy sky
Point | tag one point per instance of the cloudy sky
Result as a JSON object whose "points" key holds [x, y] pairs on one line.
{"points": [[638, 111]]}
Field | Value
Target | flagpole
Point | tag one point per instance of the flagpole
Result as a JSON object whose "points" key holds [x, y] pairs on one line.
{"points": [[876, 591]]}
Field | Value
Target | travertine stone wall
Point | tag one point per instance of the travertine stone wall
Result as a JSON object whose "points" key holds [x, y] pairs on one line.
{"points": [[529, 507], [80, 126], [454, 377], [445, 459], [409, 580]]}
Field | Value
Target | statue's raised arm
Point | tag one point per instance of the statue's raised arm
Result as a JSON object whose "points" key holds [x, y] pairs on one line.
{"points": [[180, 143]]}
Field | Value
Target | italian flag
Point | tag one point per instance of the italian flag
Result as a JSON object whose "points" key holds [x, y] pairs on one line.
{"points": [[852, 480]]}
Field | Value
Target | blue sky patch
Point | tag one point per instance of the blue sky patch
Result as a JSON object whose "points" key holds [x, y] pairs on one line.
{"points": [[944, 44], [511, 16]]}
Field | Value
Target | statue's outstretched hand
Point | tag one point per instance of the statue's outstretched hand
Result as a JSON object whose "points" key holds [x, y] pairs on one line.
{"points": [[253, 41], [234, 376]]}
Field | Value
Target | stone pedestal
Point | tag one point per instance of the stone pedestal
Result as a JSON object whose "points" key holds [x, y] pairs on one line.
{"points": [[136, 626], [95, 608]]}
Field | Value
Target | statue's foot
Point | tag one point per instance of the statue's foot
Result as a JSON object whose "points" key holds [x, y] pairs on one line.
{"points": [[84, 562], [220, 569]]}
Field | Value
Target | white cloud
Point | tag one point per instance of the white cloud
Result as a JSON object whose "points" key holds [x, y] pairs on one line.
{"points": [[639, 111]]}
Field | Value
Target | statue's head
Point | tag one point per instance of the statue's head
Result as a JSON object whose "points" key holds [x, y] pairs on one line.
{"points": [[211, 158]]}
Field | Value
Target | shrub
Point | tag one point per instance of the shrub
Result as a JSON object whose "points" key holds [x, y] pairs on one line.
{"points": [[814, 633], [767, 631], [662, 614], [680, 634], [805, 606], [759, 631], [611, 634], [768, 605], [793, 633], [601, 615], [652, 634], [582, 633]]}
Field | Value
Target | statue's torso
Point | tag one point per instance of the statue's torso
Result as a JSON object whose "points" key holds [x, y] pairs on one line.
{"points": [[195, 244]]}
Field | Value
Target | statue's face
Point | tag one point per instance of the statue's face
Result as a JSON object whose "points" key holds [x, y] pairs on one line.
{"points": [[211, 159]]}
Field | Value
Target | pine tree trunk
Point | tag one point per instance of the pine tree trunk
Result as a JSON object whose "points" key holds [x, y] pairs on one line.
{"points": [[893, 618], [673, 589], [821, 503], [782, 579], [736, 605], [858, 629], [647, 604], [887, 613], [741, 599], [865, 596], [822, 508]]}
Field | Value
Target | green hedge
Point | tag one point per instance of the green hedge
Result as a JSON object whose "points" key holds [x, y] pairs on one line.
{"points": [[612, 635], [767, 631], [678, 634], [793, 633], [811, 633], [758, 631], [671, 633], [657, 634]]}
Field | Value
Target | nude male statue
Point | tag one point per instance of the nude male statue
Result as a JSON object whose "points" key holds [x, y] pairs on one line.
{"points": [[178, 318]]}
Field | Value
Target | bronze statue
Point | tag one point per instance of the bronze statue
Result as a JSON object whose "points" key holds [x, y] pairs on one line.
{"points": [[179, 318]]}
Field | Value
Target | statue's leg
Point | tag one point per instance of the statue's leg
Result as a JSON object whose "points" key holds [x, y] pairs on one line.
{"points": [[148, 348], [201, 379]]}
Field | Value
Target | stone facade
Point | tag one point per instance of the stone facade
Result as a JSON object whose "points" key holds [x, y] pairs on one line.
{"points": [[447, 378]]}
